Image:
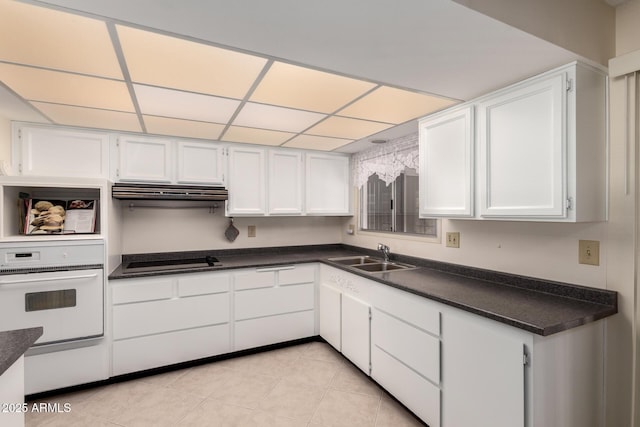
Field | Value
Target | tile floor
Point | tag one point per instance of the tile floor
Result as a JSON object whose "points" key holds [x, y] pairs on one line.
{"points": [[307, 385]]}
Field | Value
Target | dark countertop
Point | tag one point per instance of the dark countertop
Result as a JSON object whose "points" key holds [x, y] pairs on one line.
{"points": [[14, 343], [535, 305]]}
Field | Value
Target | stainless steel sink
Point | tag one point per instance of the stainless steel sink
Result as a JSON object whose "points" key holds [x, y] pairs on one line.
{"points": [[355, 260], [382, 267], [370, 265]]}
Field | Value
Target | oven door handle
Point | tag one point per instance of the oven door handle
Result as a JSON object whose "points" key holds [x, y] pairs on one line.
{"points": [[47, 279]]}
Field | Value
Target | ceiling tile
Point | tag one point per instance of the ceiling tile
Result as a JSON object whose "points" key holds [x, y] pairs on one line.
{"points": [[185, 128], [342, 127], [275, 118], [391, 105], [313, 142], [64, 88], [172, 62], [298, 87], [52, 39], [256, 136], [184, 105], [89, 117]]}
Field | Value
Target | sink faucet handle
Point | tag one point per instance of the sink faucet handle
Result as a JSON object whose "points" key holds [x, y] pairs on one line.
{"points": [[385, 250]]}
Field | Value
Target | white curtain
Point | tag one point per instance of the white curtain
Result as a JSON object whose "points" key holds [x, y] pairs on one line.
{"points": [[388, 160]]}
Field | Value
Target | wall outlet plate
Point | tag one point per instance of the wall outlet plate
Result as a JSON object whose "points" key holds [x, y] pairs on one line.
{"points": [[453, 239], [251, 231], [589, 252]]}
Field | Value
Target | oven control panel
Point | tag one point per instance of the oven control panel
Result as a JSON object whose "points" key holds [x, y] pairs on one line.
{"points": [[27, 255]]}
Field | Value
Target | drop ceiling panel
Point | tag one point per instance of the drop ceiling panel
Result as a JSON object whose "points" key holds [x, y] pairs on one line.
{"points": [[64, 88], [89, 117], [313, 142], [391, 105], [177, 63], [156, 101], [52, 39], [298, 87], [178, 127], [342, 127], [256, 136], [275, 118]]}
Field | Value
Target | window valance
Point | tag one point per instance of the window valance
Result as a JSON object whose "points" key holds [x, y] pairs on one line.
{"points": [[388, 161]]}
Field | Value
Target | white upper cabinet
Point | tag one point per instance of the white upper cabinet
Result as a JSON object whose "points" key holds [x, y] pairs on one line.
{"points": [[327, 184], [446, 164], [247, 183], [522, 147], [144, 159], [152, 159], [59, 152], [200, 163], [285, 182], [540, 152]]}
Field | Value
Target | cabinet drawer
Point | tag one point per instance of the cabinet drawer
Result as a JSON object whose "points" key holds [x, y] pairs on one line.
{"points": [[254, 279], [277, 300], [298, 274], [413, 347], [202, 284], [138, 354], [411, 308], [416, 393], [274, 329], [136, 290], [131, 320]]}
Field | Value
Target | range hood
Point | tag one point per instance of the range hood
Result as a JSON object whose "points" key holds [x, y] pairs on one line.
{"points": [[168, 192]]}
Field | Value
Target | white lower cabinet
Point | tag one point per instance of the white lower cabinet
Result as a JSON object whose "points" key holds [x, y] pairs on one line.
{"points": [[484, 372], [345, 315], [405, 350], [330, 319], [453, 368], [356, 333], [273, 305], [165, 320]]}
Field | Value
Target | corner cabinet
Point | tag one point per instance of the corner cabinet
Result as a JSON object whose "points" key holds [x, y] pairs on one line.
{"points": [[540, 152], [327, 184]]}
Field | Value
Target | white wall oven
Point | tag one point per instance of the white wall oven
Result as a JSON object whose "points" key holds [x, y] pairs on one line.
{"points": [[60, 286]]}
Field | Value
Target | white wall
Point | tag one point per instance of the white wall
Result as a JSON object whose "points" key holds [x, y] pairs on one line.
{"points": [[167, 230], [5, 139]]}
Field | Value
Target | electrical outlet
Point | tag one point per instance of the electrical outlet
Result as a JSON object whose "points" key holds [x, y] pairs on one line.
{"points": [[453, 239], [589, 252], [251, 231]]}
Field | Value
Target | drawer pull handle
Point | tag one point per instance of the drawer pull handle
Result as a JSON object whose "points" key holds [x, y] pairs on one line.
{"points": [[268, 269]]}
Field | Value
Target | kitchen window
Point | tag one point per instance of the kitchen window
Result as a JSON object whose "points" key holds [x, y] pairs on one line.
{"points": [[387, 177], [394, 207]]}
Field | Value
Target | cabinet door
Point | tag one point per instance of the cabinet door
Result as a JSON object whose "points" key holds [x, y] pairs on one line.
{"points": [[285, 182], [356, 332], [62, 152], [522, 143], [446, 164], [330, 315], [483, 374], [145, 159], [200, 163], [247, 181], [327, 184]]}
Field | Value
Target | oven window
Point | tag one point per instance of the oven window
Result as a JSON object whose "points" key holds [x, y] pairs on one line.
{"points": [[50, 300]]}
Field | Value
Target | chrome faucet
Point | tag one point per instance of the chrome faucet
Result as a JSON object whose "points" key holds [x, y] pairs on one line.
{"points": [[385, 251]]}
